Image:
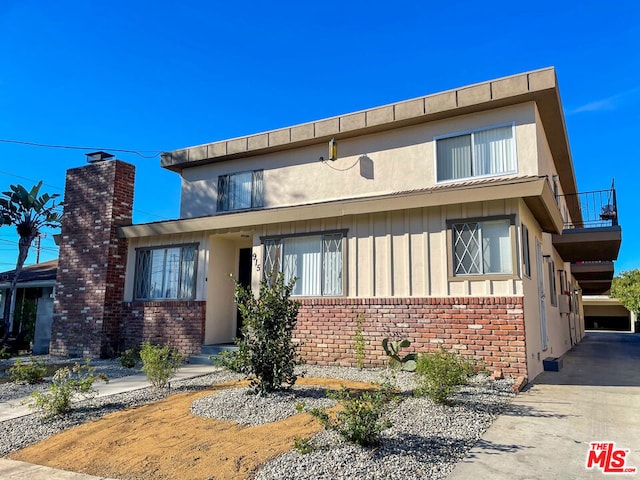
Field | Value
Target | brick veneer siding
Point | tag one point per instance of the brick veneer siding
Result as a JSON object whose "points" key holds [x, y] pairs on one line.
{"points": [[177, 323], [98, 199], [489, 328]]}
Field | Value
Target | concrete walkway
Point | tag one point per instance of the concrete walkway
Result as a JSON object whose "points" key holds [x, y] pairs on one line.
{"points": [[546, 431], [26, 471]]}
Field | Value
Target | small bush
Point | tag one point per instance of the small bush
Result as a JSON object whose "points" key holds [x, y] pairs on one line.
{"points": [[160, 363], [303, 445], [440, 372], [4, 353], [363, 417], [65, 383], [130, 357], [30, 372], [267, 353], [230, 359]]}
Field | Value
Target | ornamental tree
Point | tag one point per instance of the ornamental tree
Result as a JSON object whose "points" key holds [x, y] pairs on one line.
{"points": [[626, 288], [30, 212]]}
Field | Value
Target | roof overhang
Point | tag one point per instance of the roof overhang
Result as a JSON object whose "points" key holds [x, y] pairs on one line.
{"points": [[34, 284], [539, 86], [535, 191]]}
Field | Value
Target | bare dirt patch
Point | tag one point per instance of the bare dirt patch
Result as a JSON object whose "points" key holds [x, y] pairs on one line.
{"points": [[164, 440]]}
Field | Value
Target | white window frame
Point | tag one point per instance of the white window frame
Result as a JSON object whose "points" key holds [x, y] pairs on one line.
{"points": [[509, 220], [471, 132], [282, 239], [180, 286]]}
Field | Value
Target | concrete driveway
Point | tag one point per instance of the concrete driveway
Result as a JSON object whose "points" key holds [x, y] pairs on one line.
{"points": [[545, 433]]}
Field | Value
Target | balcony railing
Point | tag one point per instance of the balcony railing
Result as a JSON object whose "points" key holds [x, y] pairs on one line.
{"points": [[595, 209]]}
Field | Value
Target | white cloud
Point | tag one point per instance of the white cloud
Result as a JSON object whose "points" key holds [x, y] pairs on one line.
{"points": [[609, 103]]}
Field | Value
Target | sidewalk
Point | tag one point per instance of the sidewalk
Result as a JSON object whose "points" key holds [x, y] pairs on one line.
{"points": [[26, 471]]}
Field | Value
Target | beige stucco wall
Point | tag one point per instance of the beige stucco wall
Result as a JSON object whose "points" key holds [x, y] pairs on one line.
{"points": [[558, 324], [403, 159]]}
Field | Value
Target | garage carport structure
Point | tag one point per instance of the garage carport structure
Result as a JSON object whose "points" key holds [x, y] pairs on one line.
{"points": [[602, 312]]}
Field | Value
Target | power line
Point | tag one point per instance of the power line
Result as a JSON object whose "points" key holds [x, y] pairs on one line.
{"points": [[57, 207], [75, 147]]}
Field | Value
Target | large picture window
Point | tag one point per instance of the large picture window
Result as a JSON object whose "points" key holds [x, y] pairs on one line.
{"points": [[314, 260], [239, 191], [476, 154], [165, 273], [482, 247]]}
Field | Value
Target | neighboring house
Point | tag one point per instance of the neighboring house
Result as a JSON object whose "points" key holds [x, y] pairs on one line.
{"points": [[33, 302], [452, 220]]}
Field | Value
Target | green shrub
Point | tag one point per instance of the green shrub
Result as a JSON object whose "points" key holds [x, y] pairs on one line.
{"points": [[440, 372], [65, 383], [359, 342], [130, 357], [229, 359], [303, 445], [266, 352], [4, 353], [363, 417], [30, 372], [160, 363]]}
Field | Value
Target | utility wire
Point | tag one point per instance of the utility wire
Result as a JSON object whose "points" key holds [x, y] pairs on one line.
{"points": [[75, 147]]}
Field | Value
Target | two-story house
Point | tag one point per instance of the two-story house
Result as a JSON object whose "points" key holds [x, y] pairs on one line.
{"points": [[452, 220]]}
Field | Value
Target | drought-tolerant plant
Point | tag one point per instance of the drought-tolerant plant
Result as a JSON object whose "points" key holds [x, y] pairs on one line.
{"points": [[160, 363], [363, 415], [392, 348], [359, 341], [65, 383], [230, 359], [440, 372], [266, 352], [130, 357], [303, 445], [29, 372]]}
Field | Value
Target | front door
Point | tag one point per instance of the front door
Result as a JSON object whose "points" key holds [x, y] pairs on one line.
{"points": [[244, 279], [541, 295]]}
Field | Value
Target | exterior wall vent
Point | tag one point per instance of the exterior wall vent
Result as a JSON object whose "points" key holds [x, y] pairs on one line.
{"points": [[96, 157]]}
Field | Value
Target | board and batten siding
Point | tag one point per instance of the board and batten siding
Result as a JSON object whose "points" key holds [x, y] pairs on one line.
{"points": [[404, 253]]}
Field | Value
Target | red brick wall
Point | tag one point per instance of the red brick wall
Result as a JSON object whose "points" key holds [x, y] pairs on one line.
{"points": [[490, 329], [98, 199], [177, 323]]}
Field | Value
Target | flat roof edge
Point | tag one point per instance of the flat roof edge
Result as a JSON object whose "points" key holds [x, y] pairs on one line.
{"points": [[495, 93]]}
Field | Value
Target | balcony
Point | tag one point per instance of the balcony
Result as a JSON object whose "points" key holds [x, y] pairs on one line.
{"points": [[591, 237]]}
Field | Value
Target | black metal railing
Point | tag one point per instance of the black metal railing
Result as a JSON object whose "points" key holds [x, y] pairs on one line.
{"points": [[595, 209]]}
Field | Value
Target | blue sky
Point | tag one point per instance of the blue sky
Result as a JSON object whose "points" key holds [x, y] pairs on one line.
{"points": [[161, 75]]}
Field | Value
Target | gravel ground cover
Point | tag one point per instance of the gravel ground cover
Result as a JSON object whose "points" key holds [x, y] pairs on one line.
{"points": [[425, 441]]}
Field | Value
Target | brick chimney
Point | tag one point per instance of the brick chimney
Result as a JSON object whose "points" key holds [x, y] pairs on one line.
{"points": [[98, 199]]}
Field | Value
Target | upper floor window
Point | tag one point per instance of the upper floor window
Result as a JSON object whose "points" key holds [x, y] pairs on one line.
{"points": [[239, 191], [316, 262], [165, 273], [482, 247], [476, 154]]}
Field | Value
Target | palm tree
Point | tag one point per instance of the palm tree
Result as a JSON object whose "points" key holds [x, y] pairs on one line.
{"points": [[29, 212]]}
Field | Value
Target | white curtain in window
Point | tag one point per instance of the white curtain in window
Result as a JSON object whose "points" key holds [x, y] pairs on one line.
{"points": [[303, 259], [332, 264], [493, 151], [454, 157], [172, 273], [187, 271], [240, 190], [496, 247]]}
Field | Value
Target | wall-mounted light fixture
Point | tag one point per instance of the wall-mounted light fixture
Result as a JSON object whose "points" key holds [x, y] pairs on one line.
{"points": [[333, 149]]}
